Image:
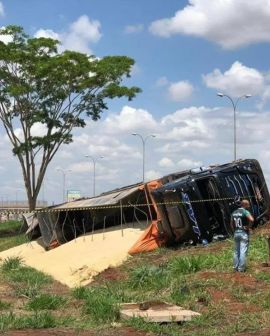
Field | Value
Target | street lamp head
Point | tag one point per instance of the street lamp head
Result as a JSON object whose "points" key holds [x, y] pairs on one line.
{"points": [[134, 133], [220, 94], [248, 96], [153, 136], [101, 157]]}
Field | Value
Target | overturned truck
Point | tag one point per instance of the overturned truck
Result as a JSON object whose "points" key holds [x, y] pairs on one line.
{"points": [[193, 205]]}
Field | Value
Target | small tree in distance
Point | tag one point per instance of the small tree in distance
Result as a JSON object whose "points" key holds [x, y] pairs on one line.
{"points": [[57, 90]]}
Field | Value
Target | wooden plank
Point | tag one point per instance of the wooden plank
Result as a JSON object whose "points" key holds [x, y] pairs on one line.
{"points": [[157, 312]]}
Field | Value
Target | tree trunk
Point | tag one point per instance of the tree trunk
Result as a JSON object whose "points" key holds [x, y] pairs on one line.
{"points": [[32, 201]]}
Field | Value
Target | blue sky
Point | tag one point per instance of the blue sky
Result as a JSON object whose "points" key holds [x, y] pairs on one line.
{"points": [[185, 51]]}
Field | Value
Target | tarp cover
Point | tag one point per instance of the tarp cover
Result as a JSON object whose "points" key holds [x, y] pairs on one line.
{"points": [[110, 198], [148, 241]]}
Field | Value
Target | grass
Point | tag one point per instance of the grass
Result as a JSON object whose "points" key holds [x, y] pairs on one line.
{"points": [[45, 302], [167, 275], [14, 271], [36, 321], [11, 235], [11, 263], [4, 305]]}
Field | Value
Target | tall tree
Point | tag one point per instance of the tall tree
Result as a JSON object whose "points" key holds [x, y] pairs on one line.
{"points": [[59, 90]]}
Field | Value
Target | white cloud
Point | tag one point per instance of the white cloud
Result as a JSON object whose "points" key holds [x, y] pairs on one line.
{"points": [[132, 29], [236, 81], [39, 129], [152, 175], [47, 33], [130, 120], [81, 33], [166, 163], [180, 91], [5, 38], [188, 138], [229, 23], [184, 164]]}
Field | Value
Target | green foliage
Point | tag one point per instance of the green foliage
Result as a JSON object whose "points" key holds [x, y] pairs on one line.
{"points": [[26, 281], [266, 301], [58, 90], [100, 306], [4, 305], [80, 293], [148, 277], [10, 264], [36, 321], [187, 264], [263, 276], [28, 275], [45, 302], [11, 226], [28, 290], [258, 250]]}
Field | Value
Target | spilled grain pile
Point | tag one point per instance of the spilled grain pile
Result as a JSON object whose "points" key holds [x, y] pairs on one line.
{"points": [[76, 262]]}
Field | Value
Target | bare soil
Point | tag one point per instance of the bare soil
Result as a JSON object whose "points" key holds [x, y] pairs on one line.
{"points": [[70, 332]]}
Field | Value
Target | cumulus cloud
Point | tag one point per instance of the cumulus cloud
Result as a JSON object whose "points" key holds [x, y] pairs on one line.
{"points": [[176, 91], [79, 36], [130, 120], [188, 164], [236, 81], [132, 29], [166, 163], [188, 138], [180, 91], [229, 23], [47, 33]]}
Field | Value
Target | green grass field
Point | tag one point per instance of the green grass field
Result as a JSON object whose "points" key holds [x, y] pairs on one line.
{"points": [[198, 278], [11, 235]]}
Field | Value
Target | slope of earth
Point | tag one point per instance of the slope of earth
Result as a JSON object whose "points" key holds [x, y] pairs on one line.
{"points": [[197, 278], [76, 262]]}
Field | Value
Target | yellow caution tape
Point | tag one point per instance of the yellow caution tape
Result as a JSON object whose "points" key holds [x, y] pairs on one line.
{"points": [[116, 206]]}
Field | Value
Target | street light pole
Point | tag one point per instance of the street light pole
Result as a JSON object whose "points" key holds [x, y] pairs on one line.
{"points": [[143, 149], [94, 160], [64, 172], [234, 104]]}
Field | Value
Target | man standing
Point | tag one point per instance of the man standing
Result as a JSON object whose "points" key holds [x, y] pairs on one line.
{"points": [[241, 222]]}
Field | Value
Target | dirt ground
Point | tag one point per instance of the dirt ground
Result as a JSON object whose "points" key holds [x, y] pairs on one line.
{"points": [[69, 332], [263, 332]]}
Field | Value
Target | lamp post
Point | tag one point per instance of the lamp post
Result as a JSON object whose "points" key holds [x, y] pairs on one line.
{"points": [[143, 144], [64, 172], [234, 104], [94, 160]]}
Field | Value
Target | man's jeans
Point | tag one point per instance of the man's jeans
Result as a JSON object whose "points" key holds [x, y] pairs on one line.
{"points": [[241, 241]]}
